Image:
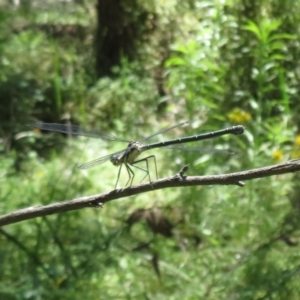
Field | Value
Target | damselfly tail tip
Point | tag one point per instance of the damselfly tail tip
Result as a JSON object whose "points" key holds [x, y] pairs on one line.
{"points": [[238, 129]]}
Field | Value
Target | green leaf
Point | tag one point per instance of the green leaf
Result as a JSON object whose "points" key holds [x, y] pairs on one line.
{"points": [[175, 61]]}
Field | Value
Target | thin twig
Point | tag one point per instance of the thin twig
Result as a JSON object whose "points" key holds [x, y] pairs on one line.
{"points": [[178, 180]]}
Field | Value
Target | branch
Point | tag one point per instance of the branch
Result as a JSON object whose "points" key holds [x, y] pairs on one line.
{"points": [[178, 180]]}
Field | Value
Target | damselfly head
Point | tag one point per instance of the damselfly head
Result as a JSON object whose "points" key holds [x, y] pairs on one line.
{"points": [[116, 159]]}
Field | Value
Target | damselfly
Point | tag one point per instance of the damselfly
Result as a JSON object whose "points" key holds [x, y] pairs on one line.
{"points": [[129, 155]]}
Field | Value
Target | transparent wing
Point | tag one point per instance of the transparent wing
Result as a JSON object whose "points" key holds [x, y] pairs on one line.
{"points": [[99, 161], [93, 133], [198, 149], [76, 130], [165, 130]]}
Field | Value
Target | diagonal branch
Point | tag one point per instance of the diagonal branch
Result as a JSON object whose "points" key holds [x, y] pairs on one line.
{"points": [[178, 180]]}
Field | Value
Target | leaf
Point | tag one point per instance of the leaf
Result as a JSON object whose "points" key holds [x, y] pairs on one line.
{"points": [[280, 36], [277, 57], [252, 27], [175, 61]]}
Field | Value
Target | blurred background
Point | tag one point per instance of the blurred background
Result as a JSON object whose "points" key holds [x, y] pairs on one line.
{"points": [[132, 68]]}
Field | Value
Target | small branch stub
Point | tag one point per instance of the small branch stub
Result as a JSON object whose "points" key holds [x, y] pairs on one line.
{"points": [[183, 170]]}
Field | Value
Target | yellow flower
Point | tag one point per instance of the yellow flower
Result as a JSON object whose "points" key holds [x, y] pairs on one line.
{"points": [[297, 140], [239, 116], [40, 174], [295, 153], [277, 155]]}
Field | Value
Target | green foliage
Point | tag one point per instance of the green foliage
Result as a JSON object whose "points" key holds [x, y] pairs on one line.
{"points": [[112, 100], [188, 78], [217, 63], [269, 54]]}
